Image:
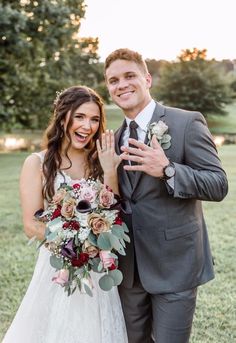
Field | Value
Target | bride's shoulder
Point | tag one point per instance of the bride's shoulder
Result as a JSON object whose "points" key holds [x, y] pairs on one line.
{"points": [[35, 159]]}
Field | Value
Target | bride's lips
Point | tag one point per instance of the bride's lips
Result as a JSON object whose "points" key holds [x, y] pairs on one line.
{"points": [[81, 136]]}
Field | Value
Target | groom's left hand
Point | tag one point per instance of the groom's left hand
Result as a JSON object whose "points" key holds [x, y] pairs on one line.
{"points": [[151, 159]]}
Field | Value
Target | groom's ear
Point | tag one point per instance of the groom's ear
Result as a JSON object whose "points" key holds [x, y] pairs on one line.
{"points": [[148, 78]]}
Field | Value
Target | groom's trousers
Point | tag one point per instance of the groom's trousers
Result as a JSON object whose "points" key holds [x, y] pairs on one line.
{"points": [[159, 318]]}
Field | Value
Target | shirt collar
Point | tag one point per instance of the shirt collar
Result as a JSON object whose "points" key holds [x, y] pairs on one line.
{"points": [[144, 117]]}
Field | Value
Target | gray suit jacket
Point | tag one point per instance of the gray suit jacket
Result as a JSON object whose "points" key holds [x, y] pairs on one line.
{"points": [[167, 228]]}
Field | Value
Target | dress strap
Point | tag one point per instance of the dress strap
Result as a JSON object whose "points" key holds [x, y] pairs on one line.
{"points": [[40, 155]]}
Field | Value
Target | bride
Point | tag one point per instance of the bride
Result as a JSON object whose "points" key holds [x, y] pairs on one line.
{"points": [[73, 152]]}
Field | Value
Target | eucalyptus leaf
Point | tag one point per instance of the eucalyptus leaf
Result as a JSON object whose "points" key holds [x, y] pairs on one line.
{"points": [[87, 290], [78, 271], [126, 238], [32, 240], [100, 267], [117, 231], [56, 262], [73, 290], [115, 242], [116, 275], [121, 251], [104, 242], [95, 264], [76, 240], [47, 232], [125, 227], [106, 282], [166, 146], [122, 242], [92, 239], [52, 236], [55, 224], [165, 139]]}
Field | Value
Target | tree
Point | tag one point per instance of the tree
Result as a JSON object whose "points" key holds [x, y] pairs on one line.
{"points": [[41, 53], [193, 83]]}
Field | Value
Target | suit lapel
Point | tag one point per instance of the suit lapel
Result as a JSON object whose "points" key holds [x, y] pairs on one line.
{"points": [[158, 113]]}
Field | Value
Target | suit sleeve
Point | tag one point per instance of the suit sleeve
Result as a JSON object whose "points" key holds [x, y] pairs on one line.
{"points": [[201, 175]]}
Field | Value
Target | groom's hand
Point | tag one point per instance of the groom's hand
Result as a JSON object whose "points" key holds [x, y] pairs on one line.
{"points": [[151, 160]]}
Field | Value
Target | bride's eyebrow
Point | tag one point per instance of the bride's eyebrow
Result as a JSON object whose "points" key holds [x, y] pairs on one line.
{"points": [[96, 116]]}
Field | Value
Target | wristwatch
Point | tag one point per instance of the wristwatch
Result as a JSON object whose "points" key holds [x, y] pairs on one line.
{"points": [[168, 171]]}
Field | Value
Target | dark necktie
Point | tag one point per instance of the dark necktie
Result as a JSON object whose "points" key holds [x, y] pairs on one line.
{"points": [[133, 134]]}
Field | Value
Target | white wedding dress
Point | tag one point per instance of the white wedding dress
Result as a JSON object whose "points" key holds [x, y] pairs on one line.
{"points": [[47, 315]]}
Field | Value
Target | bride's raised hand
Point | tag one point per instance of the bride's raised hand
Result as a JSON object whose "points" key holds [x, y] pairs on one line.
{"points": [[107, 155]]}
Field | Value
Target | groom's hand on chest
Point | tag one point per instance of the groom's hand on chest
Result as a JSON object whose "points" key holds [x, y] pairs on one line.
{"points": [[150, 159]]}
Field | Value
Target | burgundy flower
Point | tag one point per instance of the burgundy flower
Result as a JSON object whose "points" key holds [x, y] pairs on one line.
{"points": [[80, 260], [118, 221], [112, 267], [73, 224], [66, 225], [76, 186], [56, 213]]}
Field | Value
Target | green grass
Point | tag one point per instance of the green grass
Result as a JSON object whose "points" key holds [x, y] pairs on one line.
{"points": [[215, 319], [223, 124]]}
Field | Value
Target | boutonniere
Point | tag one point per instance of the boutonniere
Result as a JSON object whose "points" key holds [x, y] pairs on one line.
{"points": [[159, 129]]}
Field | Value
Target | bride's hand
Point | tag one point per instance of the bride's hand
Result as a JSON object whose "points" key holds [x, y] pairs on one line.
{"points": [[108, 158]]}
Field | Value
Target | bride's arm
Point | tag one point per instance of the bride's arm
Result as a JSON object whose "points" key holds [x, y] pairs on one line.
{"points": [[31, 196], [109, 160]]}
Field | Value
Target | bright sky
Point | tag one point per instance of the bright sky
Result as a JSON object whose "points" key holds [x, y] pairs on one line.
{"points": [[159, 29]]}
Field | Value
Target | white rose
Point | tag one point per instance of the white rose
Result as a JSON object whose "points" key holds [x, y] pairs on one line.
{"points": [[159, 129]]}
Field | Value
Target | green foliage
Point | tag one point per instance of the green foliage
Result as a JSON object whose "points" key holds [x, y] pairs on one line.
{"points": [[193, 83], [41, 53]]}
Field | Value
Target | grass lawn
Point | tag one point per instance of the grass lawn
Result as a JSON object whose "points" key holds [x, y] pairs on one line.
{"points": [[223, 124], [215, 319]]}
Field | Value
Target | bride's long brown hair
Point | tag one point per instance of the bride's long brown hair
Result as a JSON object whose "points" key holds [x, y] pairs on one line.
{"points": [[69, 100]]}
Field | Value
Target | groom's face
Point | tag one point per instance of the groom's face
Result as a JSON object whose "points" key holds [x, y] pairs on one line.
{"points": [[128, 86]]}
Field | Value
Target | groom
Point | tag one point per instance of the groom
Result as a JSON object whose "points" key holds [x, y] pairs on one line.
{"points": [[169, 254]]}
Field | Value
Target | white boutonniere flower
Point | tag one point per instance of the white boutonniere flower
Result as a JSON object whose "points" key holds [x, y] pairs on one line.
{"points": [[159, 129]]}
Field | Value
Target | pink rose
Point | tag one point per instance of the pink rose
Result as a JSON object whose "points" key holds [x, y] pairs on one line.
{"points": [[62, 277], [106, 259], [90, 249], [88, 193], [98, 224], [106, 198], [59, 196], [68, 208]]}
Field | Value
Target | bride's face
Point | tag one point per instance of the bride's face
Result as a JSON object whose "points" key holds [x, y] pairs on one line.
{"points": [[85, 123]]}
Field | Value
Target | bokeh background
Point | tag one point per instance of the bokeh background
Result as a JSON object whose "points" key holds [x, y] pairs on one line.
{"points": [[48, 45]]}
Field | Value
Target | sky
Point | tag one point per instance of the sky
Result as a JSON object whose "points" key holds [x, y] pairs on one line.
{"points": [[160, 29]]}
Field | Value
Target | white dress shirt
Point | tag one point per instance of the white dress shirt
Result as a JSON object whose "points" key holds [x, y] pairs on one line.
{"points": [[142, 119]]}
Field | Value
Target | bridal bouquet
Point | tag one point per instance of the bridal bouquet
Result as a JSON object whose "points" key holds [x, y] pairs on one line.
{"points": [[84, 232]]}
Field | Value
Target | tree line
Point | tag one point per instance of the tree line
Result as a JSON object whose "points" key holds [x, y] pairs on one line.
{"points": [[42, 52]]}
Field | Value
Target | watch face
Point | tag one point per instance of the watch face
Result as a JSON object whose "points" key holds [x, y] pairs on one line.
{"points": [[169, 171]]}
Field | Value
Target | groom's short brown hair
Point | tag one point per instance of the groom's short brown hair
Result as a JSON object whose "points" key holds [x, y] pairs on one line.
{"points": [[127, 55]]}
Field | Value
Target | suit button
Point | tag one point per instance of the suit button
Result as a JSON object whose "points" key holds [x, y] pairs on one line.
{"points": [[133, 201]]}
